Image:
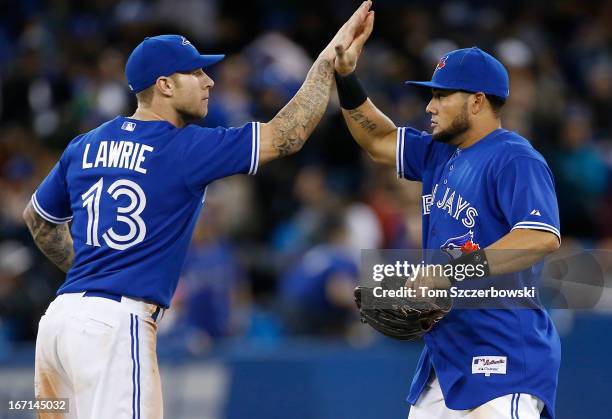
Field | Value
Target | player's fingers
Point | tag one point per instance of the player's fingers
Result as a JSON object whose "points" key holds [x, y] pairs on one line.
{"points": [[363, 36], [368, 26], [362, 9], [348, 31], [359, 15]]}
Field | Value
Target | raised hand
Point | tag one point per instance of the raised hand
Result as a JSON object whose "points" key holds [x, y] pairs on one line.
{"points": [[352, 28], [288, 130], [347, 55]]}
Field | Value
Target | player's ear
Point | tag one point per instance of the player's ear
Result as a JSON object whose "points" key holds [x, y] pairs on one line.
{"points": [[477, 102], [165, 85]]}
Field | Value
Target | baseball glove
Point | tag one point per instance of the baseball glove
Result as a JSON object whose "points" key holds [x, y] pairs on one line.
{"points": [[401, 318]]}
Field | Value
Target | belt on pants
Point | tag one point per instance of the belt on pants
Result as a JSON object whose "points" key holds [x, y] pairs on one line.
{"points": [[116, 297]]}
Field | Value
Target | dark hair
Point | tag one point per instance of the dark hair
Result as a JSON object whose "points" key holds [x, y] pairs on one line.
{"points": [[497, 103]]}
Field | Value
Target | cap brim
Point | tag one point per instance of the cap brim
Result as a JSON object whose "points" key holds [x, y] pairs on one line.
{"points": [[429, 84], [207, 60], [201, 62], [434, 85]]}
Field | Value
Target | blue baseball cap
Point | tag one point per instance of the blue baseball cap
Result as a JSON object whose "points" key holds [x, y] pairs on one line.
{"points": [[163, 55], [471, 70]]}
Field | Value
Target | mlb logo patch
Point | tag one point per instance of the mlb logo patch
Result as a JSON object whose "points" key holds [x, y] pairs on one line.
{"points": [[128, 126]]}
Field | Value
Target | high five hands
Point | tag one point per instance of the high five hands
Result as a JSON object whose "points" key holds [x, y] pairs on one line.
{"points": [[345, 47], [348, 53]]}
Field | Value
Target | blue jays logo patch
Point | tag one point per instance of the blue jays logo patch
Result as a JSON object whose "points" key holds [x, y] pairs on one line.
{"points": [[441, 63], [458, 246]]}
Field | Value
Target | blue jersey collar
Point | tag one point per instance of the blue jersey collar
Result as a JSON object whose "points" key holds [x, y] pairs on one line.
{"points": [[483, 141]]}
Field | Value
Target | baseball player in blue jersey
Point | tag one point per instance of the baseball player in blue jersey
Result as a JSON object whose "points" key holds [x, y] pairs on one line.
{"points": [[133, 189], [484, 188]]}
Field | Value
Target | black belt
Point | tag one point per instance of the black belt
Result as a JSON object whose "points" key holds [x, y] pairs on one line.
{"points": [[117, 297]]}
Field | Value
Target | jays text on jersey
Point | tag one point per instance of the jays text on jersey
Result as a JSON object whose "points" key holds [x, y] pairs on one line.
{"points": [[133, 190], [472, 197]]}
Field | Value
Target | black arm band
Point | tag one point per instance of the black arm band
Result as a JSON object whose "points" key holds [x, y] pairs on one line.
{"points": [[474, 265], [350, 91]]}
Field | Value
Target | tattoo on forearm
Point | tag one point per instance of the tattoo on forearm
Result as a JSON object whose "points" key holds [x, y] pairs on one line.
{"points": [[296, 121], [363, 121], [54, 240]]}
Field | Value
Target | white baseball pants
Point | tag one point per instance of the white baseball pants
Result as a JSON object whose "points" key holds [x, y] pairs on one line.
{"points": [[511, 406], [101, 355]]}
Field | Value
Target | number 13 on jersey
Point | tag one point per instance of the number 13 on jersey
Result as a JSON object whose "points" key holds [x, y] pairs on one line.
{"points": [[129, 215]]}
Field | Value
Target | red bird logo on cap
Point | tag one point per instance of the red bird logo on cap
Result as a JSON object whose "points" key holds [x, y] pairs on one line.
{"points": [[441, 63]]}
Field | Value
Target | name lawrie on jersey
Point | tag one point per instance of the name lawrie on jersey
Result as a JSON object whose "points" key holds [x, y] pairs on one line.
{"points": [[120, 154]]}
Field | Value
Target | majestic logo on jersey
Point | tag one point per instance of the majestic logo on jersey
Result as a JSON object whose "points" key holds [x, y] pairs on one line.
{"points": [[454, 204], [185, 41], [488, 365], [536, 212], [441, 63], [458, 246]]}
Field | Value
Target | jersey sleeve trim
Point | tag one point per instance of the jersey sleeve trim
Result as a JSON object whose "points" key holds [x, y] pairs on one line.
{"points": [[255, 131], [399, 152], [536, 225], [44, 214]]}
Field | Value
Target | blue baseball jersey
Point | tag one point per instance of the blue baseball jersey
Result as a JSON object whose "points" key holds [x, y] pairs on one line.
{"points": [[472, 197], [133, 190], [305, 285]]}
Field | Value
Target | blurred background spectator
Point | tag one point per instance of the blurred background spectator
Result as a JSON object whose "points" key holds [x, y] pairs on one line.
{"points": [[317, 292], [213, 293], [267, 247]]}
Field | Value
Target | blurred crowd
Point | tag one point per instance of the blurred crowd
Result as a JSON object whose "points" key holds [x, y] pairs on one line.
{"points": [[278, 254]]}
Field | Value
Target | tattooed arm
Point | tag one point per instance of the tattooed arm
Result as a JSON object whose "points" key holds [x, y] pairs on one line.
{"points": [[54, 240], [287, 132], [371, 128], [374, 132]]}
